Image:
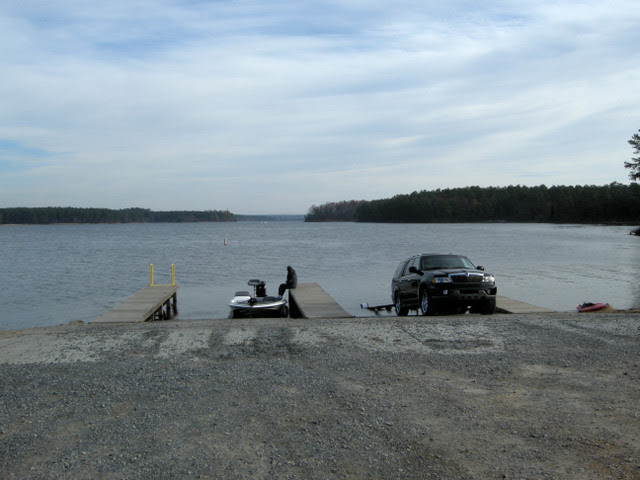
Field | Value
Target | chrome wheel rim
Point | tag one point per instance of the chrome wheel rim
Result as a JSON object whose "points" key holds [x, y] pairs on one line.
{"points": [[424, 303]]}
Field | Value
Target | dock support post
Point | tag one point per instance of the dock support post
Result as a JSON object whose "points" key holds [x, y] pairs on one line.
{"points": [[173, 275], [175, 303], [169, 308]]}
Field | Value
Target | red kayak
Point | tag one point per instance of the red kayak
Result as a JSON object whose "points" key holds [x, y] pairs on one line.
{"points": [[591, 307]]}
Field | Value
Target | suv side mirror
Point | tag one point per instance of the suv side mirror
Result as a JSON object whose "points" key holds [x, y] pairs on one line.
{"points": [[480, 267], [415, 270]]}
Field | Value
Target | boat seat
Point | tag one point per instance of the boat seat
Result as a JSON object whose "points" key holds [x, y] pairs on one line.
{"points": [[243, 293]]}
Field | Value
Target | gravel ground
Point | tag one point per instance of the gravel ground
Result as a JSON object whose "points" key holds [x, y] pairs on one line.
{"points": [[530, 396]]}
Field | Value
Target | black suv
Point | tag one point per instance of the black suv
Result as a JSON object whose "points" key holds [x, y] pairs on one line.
{"points": [[433, 283]]}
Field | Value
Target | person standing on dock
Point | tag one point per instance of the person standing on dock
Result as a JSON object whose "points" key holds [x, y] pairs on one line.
{"points": [[292, 281]]}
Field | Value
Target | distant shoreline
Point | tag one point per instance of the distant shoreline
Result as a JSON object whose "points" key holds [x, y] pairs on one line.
{"points": [[589, 204], [267, 218]]}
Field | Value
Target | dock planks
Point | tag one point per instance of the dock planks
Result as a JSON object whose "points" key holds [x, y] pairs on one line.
{"points": [[310, 300], [145, 305]]}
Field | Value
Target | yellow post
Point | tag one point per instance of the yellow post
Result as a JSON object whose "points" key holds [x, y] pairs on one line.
{"points": [[151, 275], [173, 275]]}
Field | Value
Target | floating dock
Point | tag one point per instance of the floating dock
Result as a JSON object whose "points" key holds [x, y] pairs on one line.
{"points": [[309, 300], [158, 302], [155, 302]]}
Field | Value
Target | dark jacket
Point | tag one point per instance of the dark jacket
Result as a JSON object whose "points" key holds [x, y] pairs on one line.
{"points": [[292, 278]]}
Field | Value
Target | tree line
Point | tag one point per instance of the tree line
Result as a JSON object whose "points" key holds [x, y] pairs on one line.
{"points": [[613, 203], [49, 215]]}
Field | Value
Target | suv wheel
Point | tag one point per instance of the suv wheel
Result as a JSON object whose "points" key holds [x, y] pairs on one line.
{"points": [[426, 305], [489, 307], [401, 310]]}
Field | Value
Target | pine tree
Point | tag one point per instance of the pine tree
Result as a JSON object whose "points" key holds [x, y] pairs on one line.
{"points": [[634, 165]]}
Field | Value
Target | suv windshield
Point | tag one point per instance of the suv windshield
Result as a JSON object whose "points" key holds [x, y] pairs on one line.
{"points": [[444, 262]]}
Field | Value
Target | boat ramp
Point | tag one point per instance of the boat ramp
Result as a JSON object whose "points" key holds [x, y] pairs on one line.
{"points": [[509, 305], [308, 300]]}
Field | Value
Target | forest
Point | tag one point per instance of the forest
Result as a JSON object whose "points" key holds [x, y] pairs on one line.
{"points": [[613, 203], [49, 215]]}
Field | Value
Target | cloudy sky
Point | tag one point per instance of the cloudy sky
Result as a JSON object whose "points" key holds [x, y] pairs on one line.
{"points": [[273, 106]]}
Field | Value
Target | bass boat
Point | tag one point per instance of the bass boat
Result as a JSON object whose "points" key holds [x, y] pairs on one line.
{"points": [[243, 304]]}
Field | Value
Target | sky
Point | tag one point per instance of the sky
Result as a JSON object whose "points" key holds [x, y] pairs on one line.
{"points": [[274, 106]]}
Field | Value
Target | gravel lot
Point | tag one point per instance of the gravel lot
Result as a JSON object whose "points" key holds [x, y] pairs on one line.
{"points": [[530, 396]]}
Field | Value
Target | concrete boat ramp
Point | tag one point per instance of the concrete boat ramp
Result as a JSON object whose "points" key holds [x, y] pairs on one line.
{"points": [[509, 305], [309, 300]]}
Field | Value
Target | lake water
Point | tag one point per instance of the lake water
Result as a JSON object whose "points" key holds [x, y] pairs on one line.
{"points": [[54, 274]]}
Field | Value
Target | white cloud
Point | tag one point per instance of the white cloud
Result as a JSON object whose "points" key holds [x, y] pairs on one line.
{"points": [[272, 107]]}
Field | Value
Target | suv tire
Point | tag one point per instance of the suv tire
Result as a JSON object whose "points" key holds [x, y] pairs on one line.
{"points": [[401, 310], [489, 307], [426, 305]]}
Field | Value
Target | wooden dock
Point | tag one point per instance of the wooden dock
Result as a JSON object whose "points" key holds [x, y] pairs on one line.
{"points": [[156, 302], [509, 305], [309, 300]]}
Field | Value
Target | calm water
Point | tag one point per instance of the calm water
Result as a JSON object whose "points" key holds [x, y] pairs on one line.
{"points": [[54, 274]]}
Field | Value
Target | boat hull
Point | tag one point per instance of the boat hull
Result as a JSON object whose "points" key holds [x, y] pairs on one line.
{"points": [[258, 307], [592, 307]]}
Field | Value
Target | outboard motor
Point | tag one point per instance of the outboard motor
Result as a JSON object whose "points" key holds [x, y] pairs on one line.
{"points": [[259, 286]]}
